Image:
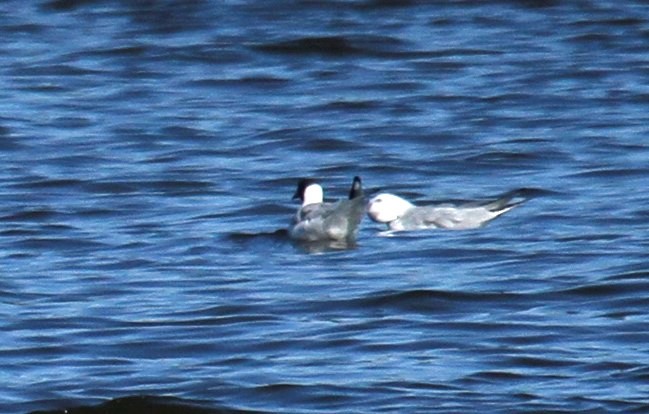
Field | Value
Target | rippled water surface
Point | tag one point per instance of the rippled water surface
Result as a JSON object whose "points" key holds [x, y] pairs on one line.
{"points": [[150, 149]]}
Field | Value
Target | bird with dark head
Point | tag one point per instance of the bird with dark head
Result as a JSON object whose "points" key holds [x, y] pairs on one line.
{"points": [[316, 220]]}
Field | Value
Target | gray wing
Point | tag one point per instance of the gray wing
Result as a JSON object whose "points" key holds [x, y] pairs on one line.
{"points": [[443, 216], [343, 220], [469, 215], [312, 211], [335, 221], [456, 217]]}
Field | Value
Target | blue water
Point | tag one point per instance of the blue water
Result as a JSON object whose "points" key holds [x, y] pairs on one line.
{"points": [[150, 150]]}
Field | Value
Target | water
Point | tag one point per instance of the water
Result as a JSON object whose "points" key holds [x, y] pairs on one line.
{"points": [[150, 150]]}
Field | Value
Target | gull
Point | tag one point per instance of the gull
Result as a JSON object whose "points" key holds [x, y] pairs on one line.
{"points": [[401, 215], [317, 221]]}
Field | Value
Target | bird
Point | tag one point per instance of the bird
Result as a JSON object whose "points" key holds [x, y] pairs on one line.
{"points": [[401, 215], [317, 221]]}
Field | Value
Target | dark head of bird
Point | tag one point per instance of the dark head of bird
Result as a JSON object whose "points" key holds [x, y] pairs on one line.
{"points": [[301, 187]]}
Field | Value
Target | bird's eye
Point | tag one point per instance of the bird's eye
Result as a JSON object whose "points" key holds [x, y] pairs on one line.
{"points": [[378, 200]]}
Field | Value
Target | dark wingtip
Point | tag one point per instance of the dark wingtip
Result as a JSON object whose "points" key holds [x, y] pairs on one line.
{"points": [[299, 191], [357, 188]]}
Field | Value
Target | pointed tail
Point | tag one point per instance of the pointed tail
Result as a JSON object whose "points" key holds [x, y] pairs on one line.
{"points": [[357, 188], [508, 201]]}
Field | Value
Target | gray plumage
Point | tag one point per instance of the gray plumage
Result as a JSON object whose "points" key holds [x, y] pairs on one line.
{"points": [[319, 221], [401, 215]]}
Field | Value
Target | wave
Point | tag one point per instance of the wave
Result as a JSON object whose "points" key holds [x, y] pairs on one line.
{"points": [[146, 404]]}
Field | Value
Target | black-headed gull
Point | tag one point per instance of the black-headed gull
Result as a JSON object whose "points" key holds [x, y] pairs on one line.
{"points": [[400, 214], [316, 220]]}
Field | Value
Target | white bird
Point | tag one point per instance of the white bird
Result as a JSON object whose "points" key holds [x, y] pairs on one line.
{"points": [[316, 220], [400, 214]]}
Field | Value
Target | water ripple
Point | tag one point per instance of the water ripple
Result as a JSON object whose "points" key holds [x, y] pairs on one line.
{"points": [[149, 162]]}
